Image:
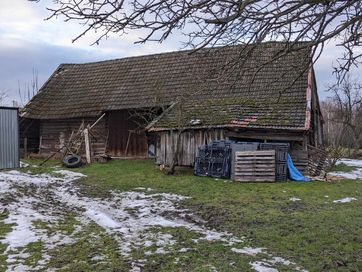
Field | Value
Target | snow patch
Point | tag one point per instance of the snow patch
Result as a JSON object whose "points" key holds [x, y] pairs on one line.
{"points": [[355, 174], [344, 200], [248, 250], [134, 219], [351, 162], [262, 267], [24, 164]]}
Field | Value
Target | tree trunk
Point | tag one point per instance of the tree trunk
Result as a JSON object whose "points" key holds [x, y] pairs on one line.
{"points": [[174, 162], [356, 139]]}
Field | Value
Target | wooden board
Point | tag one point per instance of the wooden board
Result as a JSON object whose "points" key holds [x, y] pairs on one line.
{"points": [[254, 166]]}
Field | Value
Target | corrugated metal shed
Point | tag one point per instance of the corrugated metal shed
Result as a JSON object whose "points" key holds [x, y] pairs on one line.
{"points": [[9, 138]]}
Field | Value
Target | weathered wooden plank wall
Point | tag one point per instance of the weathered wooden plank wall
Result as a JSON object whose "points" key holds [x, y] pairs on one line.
{"points": [[54, 133], [189, 143], [300, 160], [126, 137]]}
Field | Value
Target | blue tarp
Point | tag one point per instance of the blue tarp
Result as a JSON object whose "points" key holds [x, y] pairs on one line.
{"points": [[293, 172]]}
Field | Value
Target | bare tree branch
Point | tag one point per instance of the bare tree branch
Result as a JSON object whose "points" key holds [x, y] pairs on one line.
{"points": [[3, 96], [225, 22], [345, 112]]}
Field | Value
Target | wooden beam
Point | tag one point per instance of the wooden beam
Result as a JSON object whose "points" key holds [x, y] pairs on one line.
{"points": [[87, 145], [129, 136], [266, 136], [96, 122], [40, 143]]}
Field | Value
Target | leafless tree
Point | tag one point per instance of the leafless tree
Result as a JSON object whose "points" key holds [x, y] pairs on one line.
{"points": [[346, 112], [145, 118], [3, 96], [226, 22], [335, 133], [29, 89]]}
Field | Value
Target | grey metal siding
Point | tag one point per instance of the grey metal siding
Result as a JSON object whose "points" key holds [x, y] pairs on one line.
{"points": [[9, 138]]}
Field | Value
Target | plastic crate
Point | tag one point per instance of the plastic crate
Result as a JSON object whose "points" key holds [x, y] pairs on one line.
{"points": [[281, 150], [220, 152], [221, 143], [245, 146], [214, 160], [204, 152], [220, 170], [280, 171], [281, 156], [217, 170], [275, 146], [217, 160], [202, 167]]}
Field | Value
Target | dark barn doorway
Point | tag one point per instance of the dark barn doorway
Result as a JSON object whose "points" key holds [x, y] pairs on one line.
{"points": [[126, 137]]}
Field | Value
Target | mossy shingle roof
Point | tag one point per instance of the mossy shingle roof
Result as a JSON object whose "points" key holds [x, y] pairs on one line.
{"points": [[208, 85]]}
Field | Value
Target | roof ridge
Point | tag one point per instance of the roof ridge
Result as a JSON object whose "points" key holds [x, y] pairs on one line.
{"points": [[170, 52]]}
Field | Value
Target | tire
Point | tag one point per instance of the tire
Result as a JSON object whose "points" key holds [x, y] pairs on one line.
{"points": [[72, 161]]}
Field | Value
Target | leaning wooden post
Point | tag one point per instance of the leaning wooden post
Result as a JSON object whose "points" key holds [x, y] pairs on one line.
{"points": [[87, 145]]}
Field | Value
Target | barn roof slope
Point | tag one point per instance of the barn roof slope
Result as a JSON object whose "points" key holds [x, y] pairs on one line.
{"points": [[208, 85]]}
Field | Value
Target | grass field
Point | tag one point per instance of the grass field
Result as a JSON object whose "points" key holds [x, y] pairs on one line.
{"points": [[298, 222]]}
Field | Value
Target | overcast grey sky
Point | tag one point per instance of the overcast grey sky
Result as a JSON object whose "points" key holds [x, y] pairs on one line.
{"points": [[27, 41]]}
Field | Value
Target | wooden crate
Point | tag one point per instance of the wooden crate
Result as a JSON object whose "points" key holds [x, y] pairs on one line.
{"points": [[255, 166]]}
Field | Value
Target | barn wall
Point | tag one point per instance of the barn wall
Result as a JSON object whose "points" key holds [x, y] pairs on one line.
{"points": [[193, 139], [126, 138], [29, 136], [316, 138], [190, 142], [54, 133]]}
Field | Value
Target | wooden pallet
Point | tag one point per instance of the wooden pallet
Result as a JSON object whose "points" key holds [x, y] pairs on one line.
{"points": [[255, 166], [316, 160]]}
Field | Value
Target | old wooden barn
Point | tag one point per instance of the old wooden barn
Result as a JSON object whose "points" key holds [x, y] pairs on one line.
{"points": [[210, 94]]}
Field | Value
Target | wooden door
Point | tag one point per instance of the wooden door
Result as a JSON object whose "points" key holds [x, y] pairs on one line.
{"points": [[126, 138]]}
